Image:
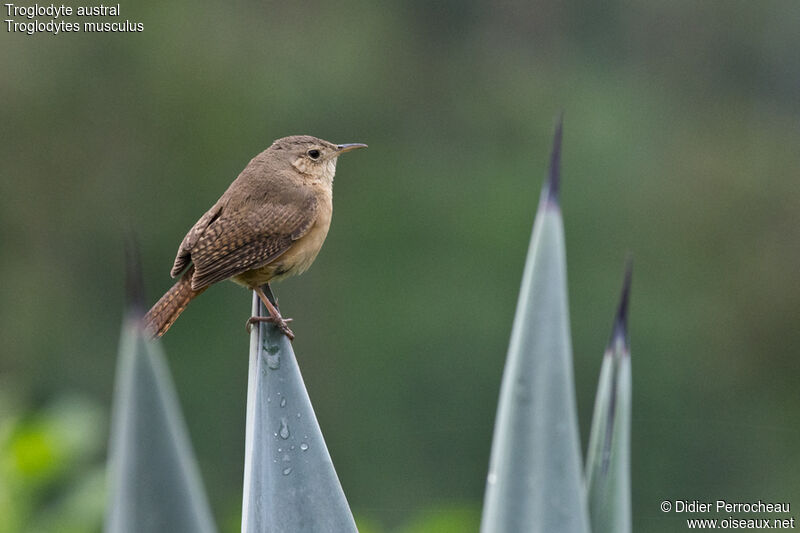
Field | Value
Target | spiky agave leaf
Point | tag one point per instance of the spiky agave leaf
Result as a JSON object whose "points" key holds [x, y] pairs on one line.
{"points": [[535, 481], [608, 475], [289, 480], [154, 482]]}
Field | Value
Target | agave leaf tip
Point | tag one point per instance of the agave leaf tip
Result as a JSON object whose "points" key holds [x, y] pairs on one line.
{"points": [[620, 329], [554, 178]]}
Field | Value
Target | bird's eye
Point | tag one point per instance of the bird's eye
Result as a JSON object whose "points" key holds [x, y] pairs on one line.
{"points": [[313, 154]]}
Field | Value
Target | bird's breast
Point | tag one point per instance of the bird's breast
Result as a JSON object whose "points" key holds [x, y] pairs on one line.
{"points": [[298, 258]]}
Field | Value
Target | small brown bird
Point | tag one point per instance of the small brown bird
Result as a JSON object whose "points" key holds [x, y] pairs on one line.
{"points": [[270, 224]]}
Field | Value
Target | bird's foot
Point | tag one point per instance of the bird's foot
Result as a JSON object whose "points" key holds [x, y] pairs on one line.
{"points": [[281, 323]]}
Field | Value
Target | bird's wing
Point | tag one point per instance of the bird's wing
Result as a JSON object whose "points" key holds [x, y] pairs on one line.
{"points": [[234, 242], [184, 256]]}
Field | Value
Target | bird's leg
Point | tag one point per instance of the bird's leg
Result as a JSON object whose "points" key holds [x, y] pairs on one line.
{"points": [[274, 315], [270, 295]]}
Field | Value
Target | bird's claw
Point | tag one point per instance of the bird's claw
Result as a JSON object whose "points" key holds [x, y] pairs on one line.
{"points": [[281, 323]]}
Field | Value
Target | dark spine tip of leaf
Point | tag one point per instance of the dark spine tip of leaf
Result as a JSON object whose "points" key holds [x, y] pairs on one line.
{"points": [[134, 283], [620, 330], [554, 177]]}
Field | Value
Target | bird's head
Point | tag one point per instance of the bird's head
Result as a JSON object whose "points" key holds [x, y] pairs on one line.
{"points": [[313, 157]]}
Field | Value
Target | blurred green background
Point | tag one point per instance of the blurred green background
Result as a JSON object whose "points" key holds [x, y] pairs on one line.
{"points": [[681, 144]]}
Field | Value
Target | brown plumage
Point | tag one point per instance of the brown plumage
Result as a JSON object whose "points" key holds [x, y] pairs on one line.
{"points": [[167, 309], [268, 225]]}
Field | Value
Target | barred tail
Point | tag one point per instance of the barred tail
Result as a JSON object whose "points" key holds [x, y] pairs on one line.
{"points": [[166, 310]]}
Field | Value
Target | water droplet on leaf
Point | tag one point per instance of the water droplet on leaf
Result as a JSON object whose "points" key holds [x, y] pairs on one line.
{"points": [[284, 431]]}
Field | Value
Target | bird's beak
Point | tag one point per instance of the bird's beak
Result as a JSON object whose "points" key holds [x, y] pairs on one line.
{"points": [[342, 148]]}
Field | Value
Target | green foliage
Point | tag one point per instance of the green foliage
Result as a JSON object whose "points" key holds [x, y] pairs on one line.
{"points": [[49, 473], [445, 519]]}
